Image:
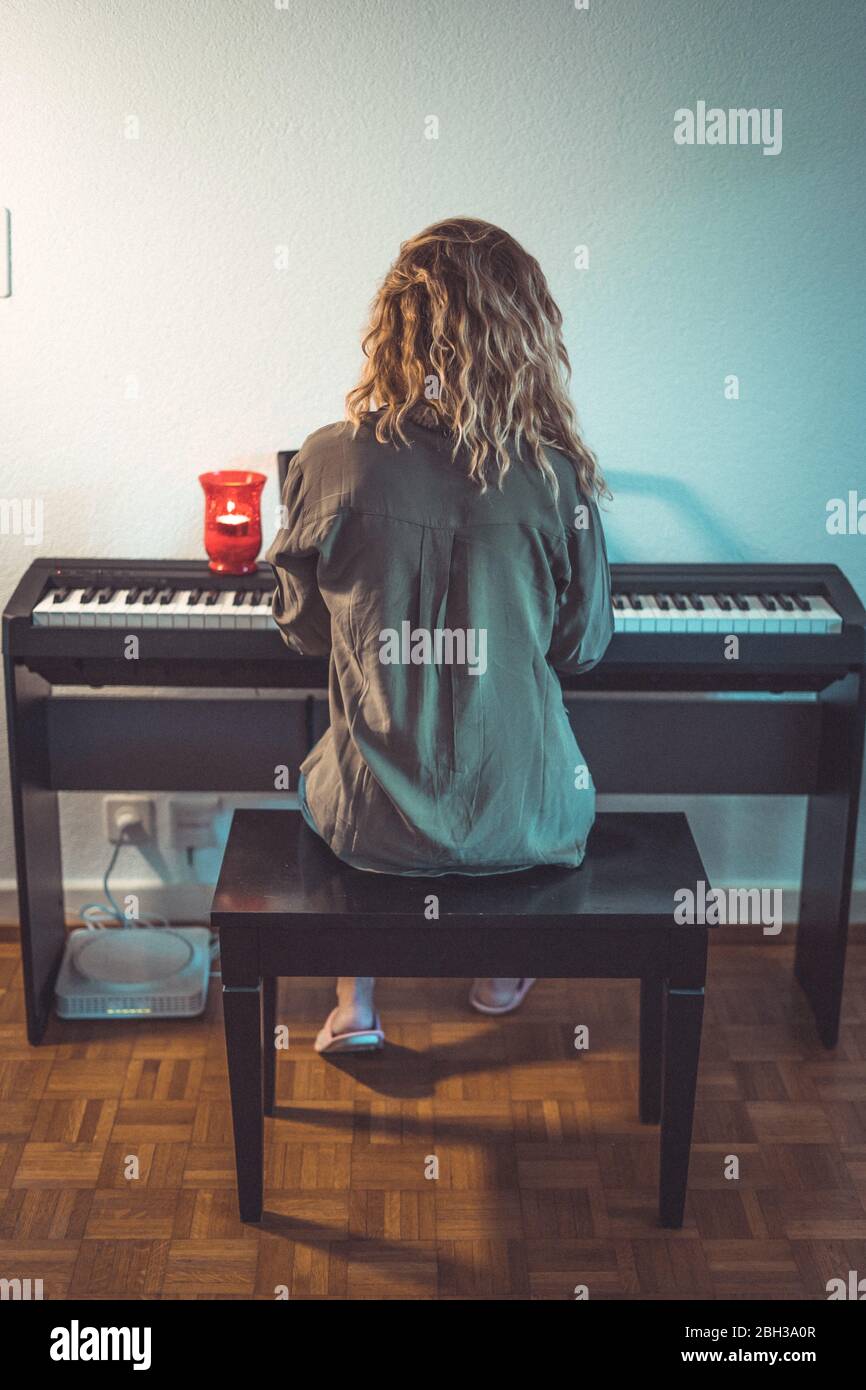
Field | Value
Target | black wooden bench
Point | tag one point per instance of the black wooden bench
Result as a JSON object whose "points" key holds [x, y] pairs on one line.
{"points": [[286, 906]]}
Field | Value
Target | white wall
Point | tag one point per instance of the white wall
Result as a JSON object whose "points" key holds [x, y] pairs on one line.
{"points": [[150, 334]]}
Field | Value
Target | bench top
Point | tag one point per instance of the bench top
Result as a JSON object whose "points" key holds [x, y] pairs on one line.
{"points": [[275, 867]]}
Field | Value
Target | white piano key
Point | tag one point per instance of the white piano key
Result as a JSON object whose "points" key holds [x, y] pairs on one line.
{"points": [[680, 618], [47, 613], [771, 623], [73, 609], [694, 619], [787, 619], [649, 615], [242, 613], [176, 613], [199, 612], [619, 618], [663, 618], [119, 610], [133, 615], [726, 620], [263, 619], [714, 615], [631, 620], [750, 619], [822, 617], [102, 612], [150, 613]]}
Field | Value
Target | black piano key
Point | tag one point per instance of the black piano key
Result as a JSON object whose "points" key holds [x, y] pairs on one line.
{"points": [[211, 597], [237, 601], [784, 602], [105, 595], [679, 602], [194, 596], [740, 603], [262, 596], [696, 602], [766, 602], [132, 596], [148, 595], [635, 600], [724, 603], [165, 595], [802, 603], [60, 595], [618, 603], [663, 602], [89, 594]]}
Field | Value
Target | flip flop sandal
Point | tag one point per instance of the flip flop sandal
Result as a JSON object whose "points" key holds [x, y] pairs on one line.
{"points": [[362, 1040], [517, 998]]}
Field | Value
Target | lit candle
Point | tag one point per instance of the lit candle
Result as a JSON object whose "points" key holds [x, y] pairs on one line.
{"points": [[233, 524]]}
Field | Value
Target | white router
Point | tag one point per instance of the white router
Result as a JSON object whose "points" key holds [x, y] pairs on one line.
{"points": [[134, 972]]}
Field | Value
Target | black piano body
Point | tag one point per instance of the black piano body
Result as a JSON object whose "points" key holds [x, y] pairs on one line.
{"points": [[668, 711]]}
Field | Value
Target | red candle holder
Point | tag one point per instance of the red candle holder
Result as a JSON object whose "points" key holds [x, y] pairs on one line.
{"points": [[232, 519]]}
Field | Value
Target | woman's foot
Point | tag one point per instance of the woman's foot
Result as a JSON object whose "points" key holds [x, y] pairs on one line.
{"points": [[331, 1039], [355, 1008], [353, 1018], [354, 1025], [499, 996]]}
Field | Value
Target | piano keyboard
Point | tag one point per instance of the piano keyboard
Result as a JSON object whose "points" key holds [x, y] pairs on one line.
{"points": [[169, 608], [724, 613], [156, 607]]}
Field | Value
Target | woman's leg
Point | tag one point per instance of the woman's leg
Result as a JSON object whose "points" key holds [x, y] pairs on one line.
{"points": [[355, 1007]]}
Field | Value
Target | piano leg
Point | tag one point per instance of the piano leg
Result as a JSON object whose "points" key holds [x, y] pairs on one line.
{"points": [[37, 844], [828, 857]]}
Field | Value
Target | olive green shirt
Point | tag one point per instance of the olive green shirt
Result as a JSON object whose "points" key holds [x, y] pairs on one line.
{"points": [[446, 614]]}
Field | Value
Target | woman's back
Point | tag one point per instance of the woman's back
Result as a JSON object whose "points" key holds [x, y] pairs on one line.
{"points": [[447, 611]]}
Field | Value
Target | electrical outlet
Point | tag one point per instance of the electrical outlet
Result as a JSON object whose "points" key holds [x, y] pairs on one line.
{"points": [[129, 819], [192, 821]]}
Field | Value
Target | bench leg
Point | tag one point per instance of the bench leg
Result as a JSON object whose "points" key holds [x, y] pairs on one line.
{"points": [[243, 1028], [270, 985], [652, 1001], [683, 1015]]}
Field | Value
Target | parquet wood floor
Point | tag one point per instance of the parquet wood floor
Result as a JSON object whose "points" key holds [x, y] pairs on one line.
{"points": [[546, 1180]]}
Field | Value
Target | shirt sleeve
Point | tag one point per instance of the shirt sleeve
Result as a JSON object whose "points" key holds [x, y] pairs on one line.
{"points": [[584, 621], [298, 608]]}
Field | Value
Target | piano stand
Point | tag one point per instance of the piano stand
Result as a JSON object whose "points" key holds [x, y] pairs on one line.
{"points": [[828, 856], [104, 744], [654, 718], [36, 820]]}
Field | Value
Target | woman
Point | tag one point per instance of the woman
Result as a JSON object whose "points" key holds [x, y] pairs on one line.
{"points": [[443, 545]]}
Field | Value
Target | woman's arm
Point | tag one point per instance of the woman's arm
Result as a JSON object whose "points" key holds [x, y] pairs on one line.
{"points": [[584, 619], [298, 608]]}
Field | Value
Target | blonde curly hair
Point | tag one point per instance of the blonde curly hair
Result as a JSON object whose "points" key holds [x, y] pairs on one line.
{"points": [[465, 336]]}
